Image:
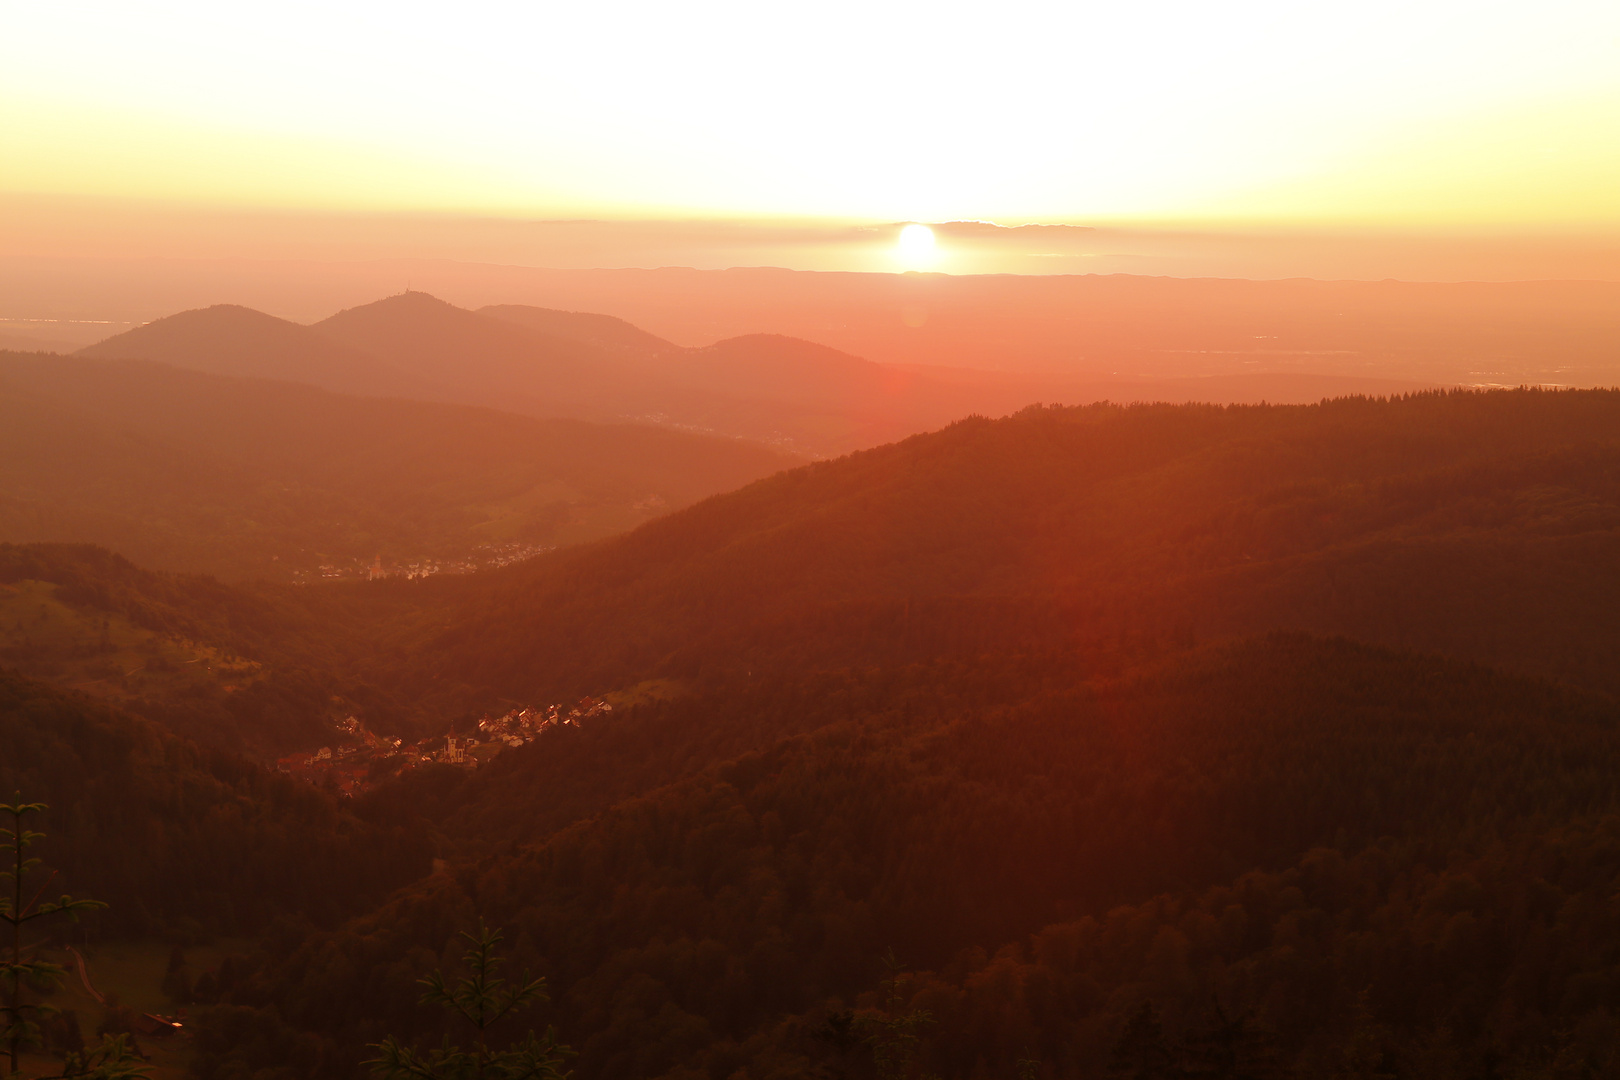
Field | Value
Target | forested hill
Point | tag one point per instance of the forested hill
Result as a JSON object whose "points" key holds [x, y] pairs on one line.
{"points": [[228, 339], [1483, 525], [257, 669], [783, 391], [1067, 709], [174, 836], [1340, 850], [181, 470]]}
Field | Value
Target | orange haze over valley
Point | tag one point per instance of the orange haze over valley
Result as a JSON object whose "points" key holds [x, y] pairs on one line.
{"points": [[857, 541]]}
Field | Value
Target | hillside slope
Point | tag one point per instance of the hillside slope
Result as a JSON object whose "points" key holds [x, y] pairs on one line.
{"points": [[246, 477], [717, 924], [258, 670], [549, 364], [481, 359], [781, 390], [228, 339], [1480, 525], [601, 331], [170, 834], [1028, 702]]}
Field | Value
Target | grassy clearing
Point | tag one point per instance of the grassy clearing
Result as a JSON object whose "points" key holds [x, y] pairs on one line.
{"points": [[131, 973], [645, 693], [104, 654]]}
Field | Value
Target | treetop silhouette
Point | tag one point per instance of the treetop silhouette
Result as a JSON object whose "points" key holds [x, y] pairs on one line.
{"points": [[482, 999]]}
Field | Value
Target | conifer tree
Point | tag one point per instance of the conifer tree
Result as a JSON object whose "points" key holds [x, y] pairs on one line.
{"points": [[22, 1017], [481, 999], [895, 1036], [1232, 1048], [114, 1058], [1142, 1051]]}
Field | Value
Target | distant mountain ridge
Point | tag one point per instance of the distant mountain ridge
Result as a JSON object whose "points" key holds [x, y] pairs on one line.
{"points": [[228, 339], [601, 331], [476, 355], [785, 391], [547, 363]]}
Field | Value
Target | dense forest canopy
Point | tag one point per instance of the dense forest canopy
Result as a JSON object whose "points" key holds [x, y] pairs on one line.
{"points": [[1481, 525], [258, 669], [183, 836], [1289, 789], [1153, 740]]}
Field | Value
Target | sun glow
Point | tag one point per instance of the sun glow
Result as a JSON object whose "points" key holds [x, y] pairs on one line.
{"points": [[1435, 112], [916, 250]]}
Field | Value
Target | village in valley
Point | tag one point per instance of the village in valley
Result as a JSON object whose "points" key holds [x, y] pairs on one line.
{"points": [[363, 758], [483, 557]]}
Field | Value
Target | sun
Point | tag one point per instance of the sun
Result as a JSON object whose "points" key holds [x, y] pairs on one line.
{"points": [[915, 248]]}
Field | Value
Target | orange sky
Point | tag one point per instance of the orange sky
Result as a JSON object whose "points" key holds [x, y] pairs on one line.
{"points": [[1426, 116]]}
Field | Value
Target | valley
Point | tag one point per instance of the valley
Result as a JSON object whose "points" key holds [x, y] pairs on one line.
{"points": [[1099, 707], [245, 478]]}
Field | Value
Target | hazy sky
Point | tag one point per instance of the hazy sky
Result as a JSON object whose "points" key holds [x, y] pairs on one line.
{"points": [[1418, 112]]}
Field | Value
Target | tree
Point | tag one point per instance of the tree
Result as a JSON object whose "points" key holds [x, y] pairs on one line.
{"points": [[114, 1058], [894, 1036], [22, 1017], [841, 1034], [177, 978], [482, 1000], [1362, 1053], [1143, 1052], [1231, 1048]]}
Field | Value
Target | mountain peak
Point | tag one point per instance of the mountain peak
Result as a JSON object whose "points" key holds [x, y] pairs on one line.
{"points": [[229, 339], [410, 301], [216, 318], [181, 337]]}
